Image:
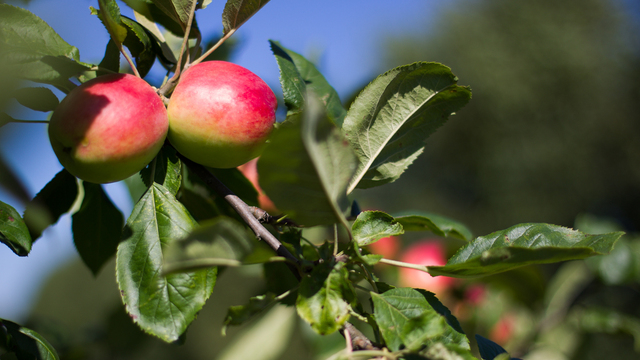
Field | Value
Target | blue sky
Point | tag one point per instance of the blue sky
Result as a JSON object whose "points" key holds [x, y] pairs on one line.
{"points": [[345, 38]]}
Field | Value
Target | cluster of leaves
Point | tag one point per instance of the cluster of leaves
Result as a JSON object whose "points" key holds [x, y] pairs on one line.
{"points": [[182, 230]]}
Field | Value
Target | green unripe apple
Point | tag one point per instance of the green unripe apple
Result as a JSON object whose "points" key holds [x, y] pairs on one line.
{"points": [[108, 128], [220, 114]]}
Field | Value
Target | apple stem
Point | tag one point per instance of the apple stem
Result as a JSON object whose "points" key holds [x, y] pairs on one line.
{"points": [[130, 61], [404, 264], [214, 47]]}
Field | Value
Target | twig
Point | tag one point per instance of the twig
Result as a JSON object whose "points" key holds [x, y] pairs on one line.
{"points": [[245, 212], [358, 340]]}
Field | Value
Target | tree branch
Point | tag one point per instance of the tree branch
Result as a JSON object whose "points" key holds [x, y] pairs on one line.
{"points": [[245, 212]]}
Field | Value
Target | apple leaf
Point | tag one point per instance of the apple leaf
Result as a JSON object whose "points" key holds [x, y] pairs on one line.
{"points": [[167, 169], [164, 13], [306, 168], [178, 10], [521, 245], [238, 184], [161, 306], [109, 14], [406, 318], [437, 224], [141, 45], [111, 58], [32, 50], [13, 231], [311, 79], [54, 200], [5, 119], [164, 52], [371, 226], [218, 242], [490, 350], [237, 12], [440, 351], [390, 120], [293, 85], [26, 343], [97, 227], [36, 98], [239, 314], [325, 296]]}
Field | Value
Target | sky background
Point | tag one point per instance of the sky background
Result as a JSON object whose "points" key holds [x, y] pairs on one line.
{"points": [[344, 38]]}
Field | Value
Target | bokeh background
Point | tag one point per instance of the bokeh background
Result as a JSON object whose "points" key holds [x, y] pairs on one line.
{"points": [[552, 134]]}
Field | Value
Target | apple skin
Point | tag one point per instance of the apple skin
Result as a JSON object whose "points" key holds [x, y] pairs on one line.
{"points": [[387, 247], [428, 253], [220, 114], [108, 128], [250, 171]]}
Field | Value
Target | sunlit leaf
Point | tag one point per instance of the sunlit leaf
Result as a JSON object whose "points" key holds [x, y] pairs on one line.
{"points": [[324, 297], [437, 224], [306, 168], [32, 50], [390, 120], [162, 306], [371, 226], [109, 14], [13, 231], [97, 227], [293, 85], [521, 245], [236, 12], [167, 169]]}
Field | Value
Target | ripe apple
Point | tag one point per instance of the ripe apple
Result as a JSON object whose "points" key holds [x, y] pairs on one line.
{"points": [[220, 114], [250, 171], [425, 252], [108, 128], [387, 247]]}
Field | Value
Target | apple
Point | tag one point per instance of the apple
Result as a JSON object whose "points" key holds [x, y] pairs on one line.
{"points": [[387, 247], [220, 114], [250, 171], [425, 252], [108, 128]]}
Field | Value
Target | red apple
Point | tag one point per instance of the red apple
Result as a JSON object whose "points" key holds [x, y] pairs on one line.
{"points": [[250, 171], [108, 128], [220, 114], [426, 252], [387, 247]]}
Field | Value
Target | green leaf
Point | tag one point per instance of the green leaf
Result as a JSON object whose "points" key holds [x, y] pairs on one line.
{"points": [[294, 88], [32, 50], [164, 51], [440, 351], [37, 98], [218, 242], [167, 169], [9, 180], [13, 231], [371, 226], [490, 350], [5, 119], [325, 297], [393, 116], [437, 224], [97, 227], [306, 168], [238, 184], [521, 245], [109, 14], [161, 306], [141, 45], [239, 314], [236, 12], [111, 59], [54, 200], [179, 10], [311, 78], [26, 343], [405, 317]]}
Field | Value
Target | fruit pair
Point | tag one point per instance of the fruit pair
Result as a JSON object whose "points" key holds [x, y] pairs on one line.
{"points": [[111, 127]]}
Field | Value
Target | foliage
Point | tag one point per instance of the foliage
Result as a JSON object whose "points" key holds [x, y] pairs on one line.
{"points": [[189, 227]]}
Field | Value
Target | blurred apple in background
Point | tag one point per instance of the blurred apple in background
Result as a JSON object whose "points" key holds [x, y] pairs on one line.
{"points": [[250, 171], [387, 247], [426, 252]]}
